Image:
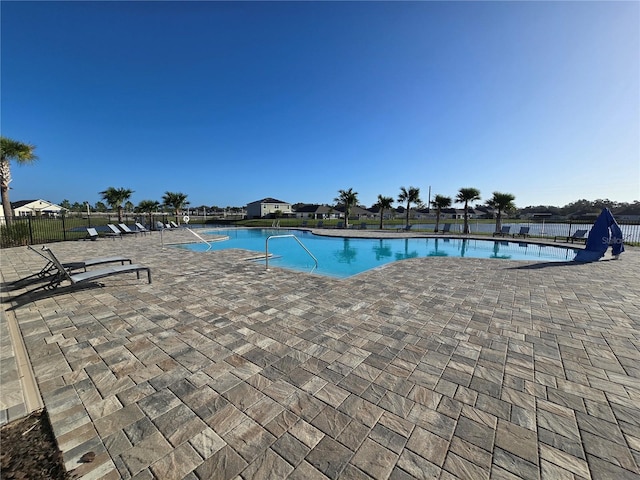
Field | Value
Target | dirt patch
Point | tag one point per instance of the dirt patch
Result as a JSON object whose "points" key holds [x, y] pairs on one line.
{"points": [[29, 450]]}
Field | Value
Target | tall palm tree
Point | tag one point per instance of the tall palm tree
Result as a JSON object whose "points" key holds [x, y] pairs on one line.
{"points": [[148, 207], [116, 197], [384, 203], [440, 202], [177, 201], [466, 195], [21, 153], [348, 198], [410, 195], [501, 202]]}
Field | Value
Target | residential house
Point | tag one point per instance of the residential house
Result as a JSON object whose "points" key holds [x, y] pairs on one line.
{"points": [[316, 212], [268, 207], [355, 212], [36, 208]]}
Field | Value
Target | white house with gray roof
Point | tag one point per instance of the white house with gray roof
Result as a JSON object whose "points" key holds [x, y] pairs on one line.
{"points": [[268, 206]]}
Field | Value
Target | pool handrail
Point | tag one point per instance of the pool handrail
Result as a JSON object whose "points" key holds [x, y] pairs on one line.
{"points": [[200, 238], [266, 249]]}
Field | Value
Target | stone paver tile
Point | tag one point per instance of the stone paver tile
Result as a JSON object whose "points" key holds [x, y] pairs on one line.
{"points": [[464, 469], [158, 403], [177, 464], [558, 419], [249, 439], [264, 410], [306, 433], [205, 402], [331, 421], [598, 427], [304, 405], [226, 419], [353, 435], [515, 465], [417, 467], [609, 451], [470, 452], [243, 396], [330, 457], [432, 420], [602, 470], [551, 471], [306, 471], [179, 424], [281, 423], [567, 445], [388, 438], [332, 395], [266, 466], [397, 404], [375, 460], [428, 445], [207, 442], [352, 472], [564, 460], [225, 464], [118, 420], [517, 440], [291, 449], [146, 452], [116, 443], [362, 410]]}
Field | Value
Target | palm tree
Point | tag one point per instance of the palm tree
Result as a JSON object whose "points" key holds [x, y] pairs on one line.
{"points": [[348, 198], [466, 195], [116, 197], [148, 207], [411, 195], [384, 203], [22, 153], [501, 202], [177, 201], [440, 202]]}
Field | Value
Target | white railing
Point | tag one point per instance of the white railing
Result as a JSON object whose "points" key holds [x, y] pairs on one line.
{"points": [[201, 239], [266, 249]]}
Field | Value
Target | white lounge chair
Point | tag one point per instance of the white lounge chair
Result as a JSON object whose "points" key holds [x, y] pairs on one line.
{"points": [[113, 231], [126, 230], [89, 275], [51, 269], [141, 228]]}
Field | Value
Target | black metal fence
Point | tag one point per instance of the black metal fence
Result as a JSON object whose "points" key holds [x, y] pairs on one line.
{"points": [[37, 230]]}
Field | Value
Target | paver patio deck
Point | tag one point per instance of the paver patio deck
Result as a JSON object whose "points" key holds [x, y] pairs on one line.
{"points": [[425, 368]]}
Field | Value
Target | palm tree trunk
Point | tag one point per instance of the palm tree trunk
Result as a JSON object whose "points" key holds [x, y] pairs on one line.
{"points": [[5, 178], [381, 217], [435, 230], [408, 205], [466, 218], [6, 205]]}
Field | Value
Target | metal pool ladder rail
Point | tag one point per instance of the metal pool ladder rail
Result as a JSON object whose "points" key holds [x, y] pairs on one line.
{"points": [[266, 249], [200, 238]]}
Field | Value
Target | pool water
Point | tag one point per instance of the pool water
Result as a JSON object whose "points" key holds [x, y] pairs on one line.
{"points": [[343, 257]]}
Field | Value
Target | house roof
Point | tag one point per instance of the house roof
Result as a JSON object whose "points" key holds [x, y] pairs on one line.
{"points": [[311, 208], [269, 200], [22, 203]]}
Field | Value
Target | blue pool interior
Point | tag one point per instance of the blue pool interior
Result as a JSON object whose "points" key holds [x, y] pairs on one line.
{"points": [[343, 257]]}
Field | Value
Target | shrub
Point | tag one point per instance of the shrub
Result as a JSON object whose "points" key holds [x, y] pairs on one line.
{"points": [[13, 235]]}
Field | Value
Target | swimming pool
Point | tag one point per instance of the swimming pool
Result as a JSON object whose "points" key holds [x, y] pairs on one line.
{"points": [[343, 257]]}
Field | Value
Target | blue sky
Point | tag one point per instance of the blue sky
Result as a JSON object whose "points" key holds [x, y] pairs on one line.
{"points": [[233, 102]]}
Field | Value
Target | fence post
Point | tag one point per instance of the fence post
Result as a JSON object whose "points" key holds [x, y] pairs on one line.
{"points": [[64, 229], [30, 230]]}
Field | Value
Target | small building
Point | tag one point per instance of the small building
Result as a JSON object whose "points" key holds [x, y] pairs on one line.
{"points": [[268, 207], [36, 208], [316, 212]]}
